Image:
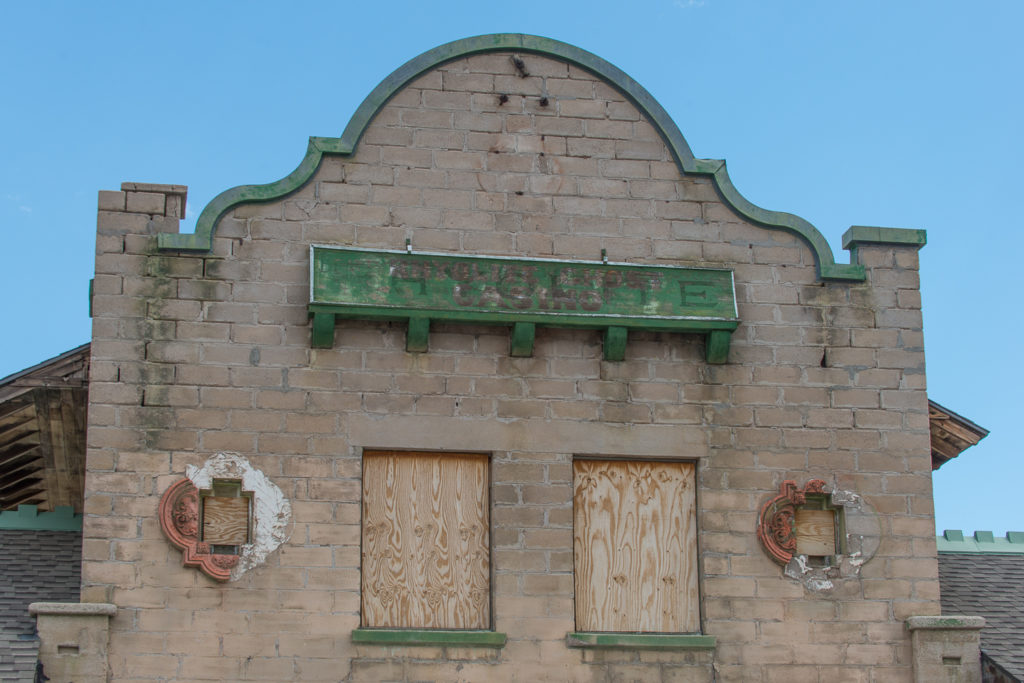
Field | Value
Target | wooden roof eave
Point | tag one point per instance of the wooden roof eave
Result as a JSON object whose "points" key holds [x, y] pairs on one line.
{"points": [[951, 434]]}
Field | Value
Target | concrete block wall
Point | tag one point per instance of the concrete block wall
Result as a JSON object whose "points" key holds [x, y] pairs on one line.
{"points": [[194, 354]]}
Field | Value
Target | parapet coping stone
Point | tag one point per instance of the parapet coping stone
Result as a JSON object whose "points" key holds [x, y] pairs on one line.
{"points": [[946, 622], [73, 609], [154, 187]]}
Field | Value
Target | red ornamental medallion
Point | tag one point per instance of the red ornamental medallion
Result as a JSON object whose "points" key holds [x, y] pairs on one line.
{"points": [[775, 523], [179, 518]]}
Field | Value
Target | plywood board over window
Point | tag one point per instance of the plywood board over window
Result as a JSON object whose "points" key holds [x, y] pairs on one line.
{"points": [[815, 532], [426, 561], [635, 546], [225, 520]]}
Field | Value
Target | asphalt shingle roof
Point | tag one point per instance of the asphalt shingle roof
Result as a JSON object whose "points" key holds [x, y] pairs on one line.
{"points": [[991, 586], [35, 566]]}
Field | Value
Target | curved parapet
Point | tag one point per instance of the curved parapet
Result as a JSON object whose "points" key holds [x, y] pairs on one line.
{"points": [[202, 239]]}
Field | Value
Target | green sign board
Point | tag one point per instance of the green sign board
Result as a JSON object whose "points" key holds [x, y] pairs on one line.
{"points": [[419, 287]]}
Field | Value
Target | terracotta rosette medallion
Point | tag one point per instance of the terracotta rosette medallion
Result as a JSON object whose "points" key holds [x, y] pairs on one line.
{"points": [[179, 518], [775, 523]]}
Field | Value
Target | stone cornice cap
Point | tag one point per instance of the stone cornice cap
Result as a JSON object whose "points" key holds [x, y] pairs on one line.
{"points": [[73, 609], [945, 622]]}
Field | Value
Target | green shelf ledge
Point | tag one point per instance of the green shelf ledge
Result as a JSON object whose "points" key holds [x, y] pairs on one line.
{"points": [[641, 641], [431, 637]]}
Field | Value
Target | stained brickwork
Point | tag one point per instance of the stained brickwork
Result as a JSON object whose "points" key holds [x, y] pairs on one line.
{"points": [[199, 353]]}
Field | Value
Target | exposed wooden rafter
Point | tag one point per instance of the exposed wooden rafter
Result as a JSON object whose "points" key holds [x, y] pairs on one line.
{"points": [[42, 433], [952, 434]]}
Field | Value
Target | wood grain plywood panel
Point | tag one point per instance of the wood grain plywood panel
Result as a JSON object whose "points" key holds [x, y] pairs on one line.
{"points": [[815, 532], [635, 546], [225, 520], [425, 552]]}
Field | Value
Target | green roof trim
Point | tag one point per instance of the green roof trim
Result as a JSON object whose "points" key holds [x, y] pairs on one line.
{"points": [[641, 641], [202, 239], [954, 541], [28, 517], [432, 637]]}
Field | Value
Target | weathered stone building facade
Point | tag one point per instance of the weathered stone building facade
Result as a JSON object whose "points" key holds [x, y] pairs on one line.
{"points": [[518, 147]]}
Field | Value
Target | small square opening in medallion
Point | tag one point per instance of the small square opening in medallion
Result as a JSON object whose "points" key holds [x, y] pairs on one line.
{"points": [[226, 514]]}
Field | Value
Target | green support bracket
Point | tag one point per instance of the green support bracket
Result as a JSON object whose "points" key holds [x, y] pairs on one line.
{"points": [[521, 343], [418, 334], [717, 346], [615, 343], [323, 330]]}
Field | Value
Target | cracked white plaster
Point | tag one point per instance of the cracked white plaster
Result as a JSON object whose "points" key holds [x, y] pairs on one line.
{"points": [[863, 536], [797, 567], [271, 513]]}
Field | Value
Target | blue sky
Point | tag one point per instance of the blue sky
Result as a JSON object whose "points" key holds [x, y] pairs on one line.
{"points": [[903, 114]]}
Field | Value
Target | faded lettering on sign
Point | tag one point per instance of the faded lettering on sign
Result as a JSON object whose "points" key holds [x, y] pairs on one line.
{"points": [[355, 277], [523, 287]]}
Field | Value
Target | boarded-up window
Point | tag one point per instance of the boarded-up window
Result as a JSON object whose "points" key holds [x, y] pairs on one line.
{"points": [[815, 532], [226, 516], [635, 546], [426, 561]]}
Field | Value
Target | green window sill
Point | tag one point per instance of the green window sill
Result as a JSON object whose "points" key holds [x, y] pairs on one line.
{"points": [[640, 641], [437, 638]]}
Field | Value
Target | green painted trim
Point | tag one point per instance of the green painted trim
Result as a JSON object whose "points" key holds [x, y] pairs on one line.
{"points": [[866, 234], [985, 542], [374, 636], [828, 269], [641, 641], [202, 239], [63, 518]]}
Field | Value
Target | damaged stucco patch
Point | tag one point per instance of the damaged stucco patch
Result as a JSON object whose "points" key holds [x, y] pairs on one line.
{"points": [[860, 543], [271, 513]]}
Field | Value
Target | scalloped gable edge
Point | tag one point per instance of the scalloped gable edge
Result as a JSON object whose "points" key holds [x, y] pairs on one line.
{"points": [[202, 239]]}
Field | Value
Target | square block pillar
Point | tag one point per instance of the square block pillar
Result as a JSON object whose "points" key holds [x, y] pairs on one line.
{"points": [[73, 640], [946, 648]]}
